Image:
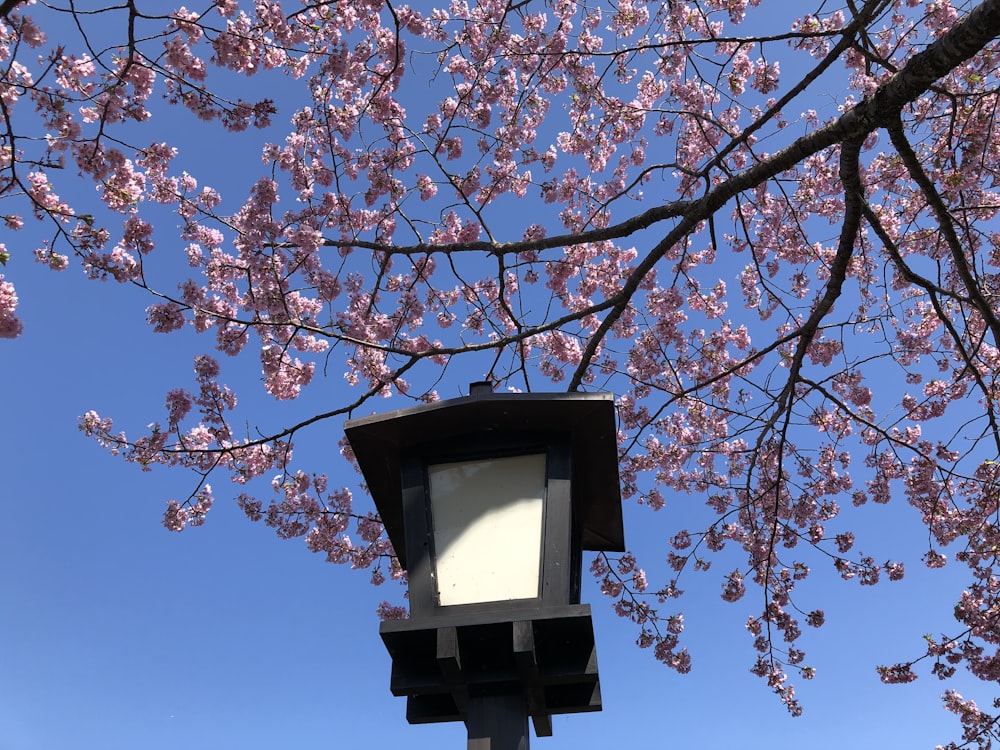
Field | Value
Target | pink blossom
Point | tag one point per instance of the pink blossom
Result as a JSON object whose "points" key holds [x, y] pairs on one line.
{"points": [[734, 588], [387, 611], [10, 324], [175, 517], [284, 376]]}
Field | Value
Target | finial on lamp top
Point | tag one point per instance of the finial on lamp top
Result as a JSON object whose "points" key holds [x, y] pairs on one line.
{"points": [[481, 389]]}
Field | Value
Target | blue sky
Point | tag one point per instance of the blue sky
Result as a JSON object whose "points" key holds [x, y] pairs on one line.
{"points": [[116, 634]]}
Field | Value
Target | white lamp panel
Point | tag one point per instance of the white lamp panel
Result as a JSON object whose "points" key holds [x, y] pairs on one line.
{"points": [[487, 526]]}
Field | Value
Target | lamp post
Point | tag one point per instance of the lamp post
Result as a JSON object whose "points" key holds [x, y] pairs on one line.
{"points": [[488, 501]]}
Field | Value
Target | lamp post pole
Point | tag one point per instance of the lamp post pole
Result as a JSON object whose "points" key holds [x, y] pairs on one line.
{"points": [[497, 722]]}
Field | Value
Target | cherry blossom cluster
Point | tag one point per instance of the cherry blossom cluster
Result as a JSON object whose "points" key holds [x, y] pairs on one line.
{"points": [[10, 324], [979, 729]]}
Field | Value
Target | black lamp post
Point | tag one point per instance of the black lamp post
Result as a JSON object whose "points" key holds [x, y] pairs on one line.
{"points": [[488, 501]]}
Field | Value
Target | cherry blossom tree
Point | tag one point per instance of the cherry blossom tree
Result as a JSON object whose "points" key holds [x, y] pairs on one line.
{"points": [[774, 239]]}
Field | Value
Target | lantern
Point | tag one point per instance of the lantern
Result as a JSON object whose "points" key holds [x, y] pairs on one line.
{"points": [[489, 501]]}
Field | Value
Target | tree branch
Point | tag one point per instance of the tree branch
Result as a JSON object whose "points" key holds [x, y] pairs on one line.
{"points": [[882, 109], [7, 7]]}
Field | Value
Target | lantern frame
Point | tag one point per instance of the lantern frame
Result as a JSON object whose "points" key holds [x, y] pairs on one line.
{"points": [[531, 656]]}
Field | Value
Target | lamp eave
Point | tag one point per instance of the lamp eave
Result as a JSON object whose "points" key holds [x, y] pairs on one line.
{"points": [[379, 441]]}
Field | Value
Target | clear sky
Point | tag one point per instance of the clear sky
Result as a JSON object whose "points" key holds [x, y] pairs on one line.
{"points": [[116, 634]]}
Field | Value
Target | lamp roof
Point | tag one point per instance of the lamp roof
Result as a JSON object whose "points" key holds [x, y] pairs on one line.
{"points": [[379, 443]]}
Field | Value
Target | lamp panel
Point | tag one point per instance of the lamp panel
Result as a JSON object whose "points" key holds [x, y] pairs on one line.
{"points": [[486, 517]]}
